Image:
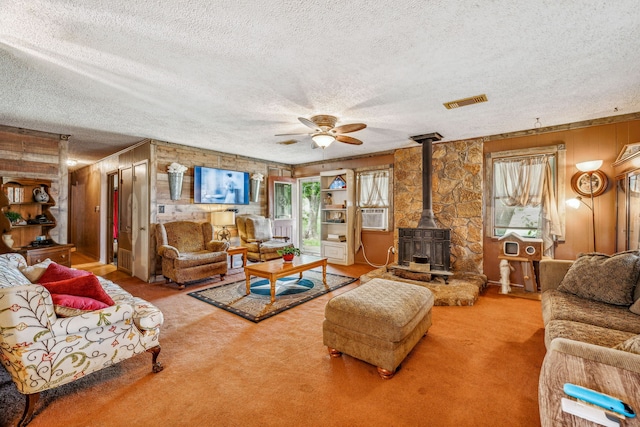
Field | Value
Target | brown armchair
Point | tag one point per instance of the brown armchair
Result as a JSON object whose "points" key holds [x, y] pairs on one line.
{"points": [[189, 252], [256, 234]]}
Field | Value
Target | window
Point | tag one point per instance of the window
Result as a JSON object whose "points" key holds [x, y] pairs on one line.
{"points": [[373, 197], [523, 192], [518, 187]]}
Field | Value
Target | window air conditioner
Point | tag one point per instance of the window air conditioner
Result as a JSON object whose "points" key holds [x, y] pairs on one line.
{"points": [[374, 218]]}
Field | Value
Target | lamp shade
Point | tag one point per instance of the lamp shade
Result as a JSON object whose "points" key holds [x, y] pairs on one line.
{"points": [[573, 203], [223, 218], [590, 166], [323, 139]]}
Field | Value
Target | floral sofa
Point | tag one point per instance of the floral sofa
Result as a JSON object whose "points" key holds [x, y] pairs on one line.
{"points": [[591, 314], [45, 343]]}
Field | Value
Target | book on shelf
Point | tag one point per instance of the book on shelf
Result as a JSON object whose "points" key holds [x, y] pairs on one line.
{"points": [[336, 237], [14, 194]]}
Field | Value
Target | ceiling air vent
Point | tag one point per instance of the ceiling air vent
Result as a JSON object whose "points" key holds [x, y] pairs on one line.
{"points": [[466, 101]]}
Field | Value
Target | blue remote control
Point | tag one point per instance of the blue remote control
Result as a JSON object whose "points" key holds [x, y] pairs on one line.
{"points": [[599, 399]]}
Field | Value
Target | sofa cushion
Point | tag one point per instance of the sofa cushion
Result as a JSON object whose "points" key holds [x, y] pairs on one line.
{"points": [[583, 332], [632, 345], [73, 305], [10, 274], [35, 271], [83, 286], [186, 236], [259, 228], [635, 307], [194, 259], [606, 278], [56, 272], [558, 305]]}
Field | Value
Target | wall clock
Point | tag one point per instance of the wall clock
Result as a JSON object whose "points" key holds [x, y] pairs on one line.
{"points": [[580, 183]]}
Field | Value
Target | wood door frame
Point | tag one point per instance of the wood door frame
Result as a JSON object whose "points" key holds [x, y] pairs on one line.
{"points": [[272, 180]]}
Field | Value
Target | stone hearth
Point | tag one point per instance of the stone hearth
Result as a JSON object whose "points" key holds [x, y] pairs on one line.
{"points": [[463, 288]]}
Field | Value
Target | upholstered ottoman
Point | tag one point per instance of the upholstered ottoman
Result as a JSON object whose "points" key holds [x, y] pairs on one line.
{"points": [[379, 322]]}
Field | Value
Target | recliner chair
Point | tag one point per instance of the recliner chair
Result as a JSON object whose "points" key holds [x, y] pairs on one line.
{"points": [[256, 234], [189, 252]]}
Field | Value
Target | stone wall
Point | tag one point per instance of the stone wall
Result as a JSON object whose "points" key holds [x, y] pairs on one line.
{"points": [[456, 196]]}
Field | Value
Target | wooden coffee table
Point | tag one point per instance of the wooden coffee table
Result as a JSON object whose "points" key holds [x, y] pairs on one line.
{"points": [[277, 268]]}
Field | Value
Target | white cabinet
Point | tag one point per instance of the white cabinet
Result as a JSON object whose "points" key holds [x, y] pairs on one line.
{"points": [[338, 215]]}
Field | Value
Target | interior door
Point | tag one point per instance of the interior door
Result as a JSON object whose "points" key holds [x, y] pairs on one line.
{"points": [[112, 218], [140, 221], [125, 194], [283, 206]]}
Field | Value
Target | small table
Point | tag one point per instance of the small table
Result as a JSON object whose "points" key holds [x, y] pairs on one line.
{"points": [[238, 250], [277, 268]]}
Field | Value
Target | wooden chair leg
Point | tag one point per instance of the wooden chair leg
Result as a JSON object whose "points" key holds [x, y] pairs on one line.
{"points": [[155, 365], [29, 406]]}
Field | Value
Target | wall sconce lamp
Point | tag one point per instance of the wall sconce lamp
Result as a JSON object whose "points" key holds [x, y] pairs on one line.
{"points": [[589, 169], [223, 219]]}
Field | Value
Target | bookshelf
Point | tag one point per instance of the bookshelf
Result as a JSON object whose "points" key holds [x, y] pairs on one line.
{"points": [[337, 214]]}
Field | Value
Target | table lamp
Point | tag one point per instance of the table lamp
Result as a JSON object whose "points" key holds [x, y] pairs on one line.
{"points": [[223, 219]]}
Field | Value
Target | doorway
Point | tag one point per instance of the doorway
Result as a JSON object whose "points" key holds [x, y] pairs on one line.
{"points": [[309, 196], [283, 207]]}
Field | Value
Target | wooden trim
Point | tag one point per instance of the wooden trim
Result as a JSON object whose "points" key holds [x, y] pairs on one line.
{"points": [[564, 127]]}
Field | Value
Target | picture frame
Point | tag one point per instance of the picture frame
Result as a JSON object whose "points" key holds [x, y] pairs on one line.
{"points": [[629, 151], [338, 183], [580, 183]]}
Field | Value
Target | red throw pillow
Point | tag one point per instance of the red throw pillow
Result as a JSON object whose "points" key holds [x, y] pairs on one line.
{"points": [[81, 286], [81, 303], [56, 272]]}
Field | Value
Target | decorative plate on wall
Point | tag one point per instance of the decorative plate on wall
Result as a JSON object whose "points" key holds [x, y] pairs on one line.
{"points": [[581, 185]]}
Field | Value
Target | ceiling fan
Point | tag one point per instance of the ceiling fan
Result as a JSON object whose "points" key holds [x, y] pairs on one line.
{"points": [[325, 130]]}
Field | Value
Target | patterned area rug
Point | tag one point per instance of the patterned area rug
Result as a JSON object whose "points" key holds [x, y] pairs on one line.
{"points": [[257, 306]]}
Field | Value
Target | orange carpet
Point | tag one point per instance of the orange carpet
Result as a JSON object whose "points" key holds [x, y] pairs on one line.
{"points": [[477, 366]]}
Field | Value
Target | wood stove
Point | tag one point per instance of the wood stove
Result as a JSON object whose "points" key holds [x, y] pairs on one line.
{"points": [[427, 240], [431, 242]]}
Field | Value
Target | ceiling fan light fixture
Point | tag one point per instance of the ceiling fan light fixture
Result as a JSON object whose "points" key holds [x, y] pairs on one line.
{"points": [[323, 139]]}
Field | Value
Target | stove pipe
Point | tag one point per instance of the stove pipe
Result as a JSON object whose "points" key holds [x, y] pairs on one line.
{"points": [[427, 219]]}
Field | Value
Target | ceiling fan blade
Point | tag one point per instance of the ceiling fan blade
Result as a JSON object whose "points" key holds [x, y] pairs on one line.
{"points": [[349, 128], [348, 140], [288, 142], [309, 123]]}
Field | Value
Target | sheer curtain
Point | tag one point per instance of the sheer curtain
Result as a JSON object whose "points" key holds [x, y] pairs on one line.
{"points": [[373, 189], [528, 181]]}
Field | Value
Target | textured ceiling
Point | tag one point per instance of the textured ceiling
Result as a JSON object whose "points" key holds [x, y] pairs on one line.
{"points": [[229, 75]]}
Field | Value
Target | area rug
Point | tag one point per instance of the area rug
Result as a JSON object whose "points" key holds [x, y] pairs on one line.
{"points": [[290, 292]]}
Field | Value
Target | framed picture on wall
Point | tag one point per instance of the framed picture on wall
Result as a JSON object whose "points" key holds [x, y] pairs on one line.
{"points": [[583, 183], [629, 151]]}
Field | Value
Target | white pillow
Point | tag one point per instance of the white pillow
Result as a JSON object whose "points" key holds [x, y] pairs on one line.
{"points": [[35, 271]]}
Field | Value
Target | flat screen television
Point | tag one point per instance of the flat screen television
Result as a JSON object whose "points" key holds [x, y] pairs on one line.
{"points": [[220, 186]]}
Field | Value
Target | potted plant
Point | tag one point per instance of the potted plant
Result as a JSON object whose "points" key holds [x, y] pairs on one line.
{"points": [[14, 217], [288, 253]]}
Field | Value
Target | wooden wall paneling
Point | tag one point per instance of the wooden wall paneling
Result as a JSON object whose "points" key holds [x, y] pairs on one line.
{"points": [[41, 155], [602, 141]]}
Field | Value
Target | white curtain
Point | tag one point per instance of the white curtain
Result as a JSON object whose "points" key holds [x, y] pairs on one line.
{"points": [[373, 189], [527, 181]]}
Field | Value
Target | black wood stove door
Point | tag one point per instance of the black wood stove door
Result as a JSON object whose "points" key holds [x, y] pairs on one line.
{"points": [[432, 242]]}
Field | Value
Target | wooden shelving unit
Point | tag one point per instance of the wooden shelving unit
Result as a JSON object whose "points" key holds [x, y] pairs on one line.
{"points": [[338, 214], [30, 234]]}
